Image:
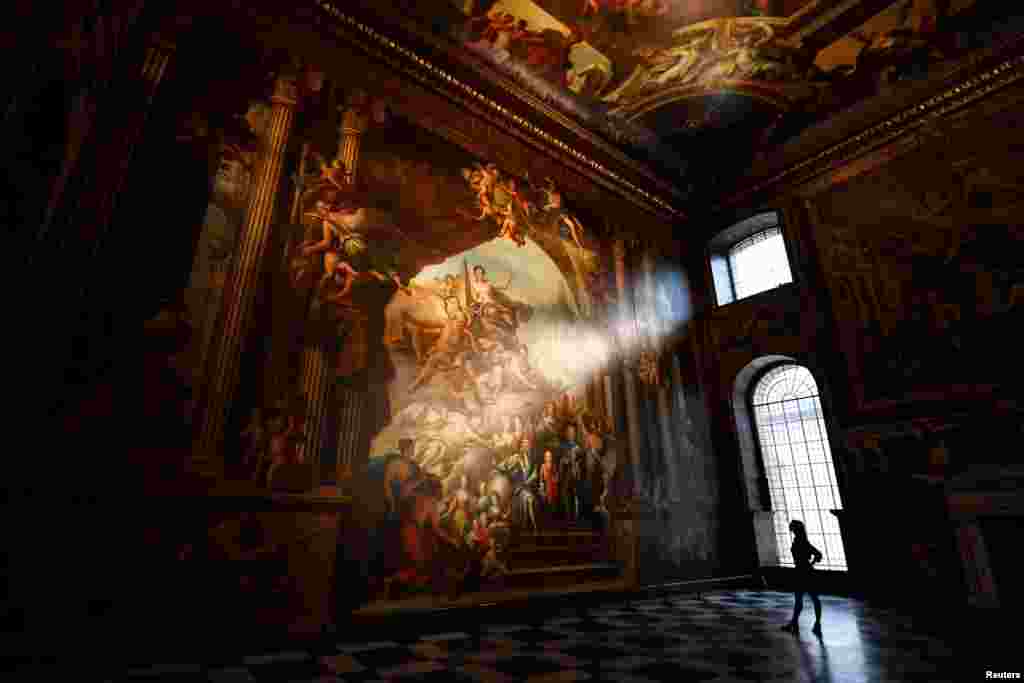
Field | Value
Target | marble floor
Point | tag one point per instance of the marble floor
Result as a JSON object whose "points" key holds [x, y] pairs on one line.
{"points": [[721, 636]]}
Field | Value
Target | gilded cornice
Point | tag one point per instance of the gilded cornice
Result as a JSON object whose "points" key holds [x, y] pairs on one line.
{"points": [[425, 71], [927, 112]]}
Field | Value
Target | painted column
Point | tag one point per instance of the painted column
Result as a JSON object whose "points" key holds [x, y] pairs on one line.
{"points": [[318, 373], [240, 293], [350, 420], [354, 122], [656, 341], [627, 340], [316, 387]]}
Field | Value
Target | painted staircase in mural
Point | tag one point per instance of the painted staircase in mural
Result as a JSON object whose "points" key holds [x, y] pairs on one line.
{"points": [[552, 559]]}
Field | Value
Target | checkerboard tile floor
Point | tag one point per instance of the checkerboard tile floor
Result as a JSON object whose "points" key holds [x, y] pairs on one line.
{"points": [[721, 637]]}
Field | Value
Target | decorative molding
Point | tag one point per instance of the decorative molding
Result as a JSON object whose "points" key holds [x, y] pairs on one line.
{"points": [[426, 72], [906, 121]]}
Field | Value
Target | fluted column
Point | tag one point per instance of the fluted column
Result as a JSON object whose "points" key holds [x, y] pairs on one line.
{"points": [[240, 293], [317, 372], [656, 340], [316, 386], [354, 121], [350, 432]]}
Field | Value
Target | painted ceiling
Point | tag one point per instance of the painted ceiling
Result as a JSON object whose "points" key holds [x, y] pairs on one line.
{"points": [[675, 81]]}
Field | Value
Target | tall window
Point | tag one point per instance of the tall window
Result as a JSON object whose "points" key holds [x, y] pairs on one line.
{"points": [[798, 462], [749, 258]]}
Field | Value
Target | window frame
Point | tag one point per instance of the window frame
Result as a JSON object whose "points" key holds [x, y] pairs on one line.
{"points": [[723, 280], [768, 504]]}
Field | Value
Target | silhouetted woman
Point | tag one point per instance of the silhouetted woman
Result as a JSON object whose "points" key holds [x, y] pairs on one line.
{"points": [[805, 556]]}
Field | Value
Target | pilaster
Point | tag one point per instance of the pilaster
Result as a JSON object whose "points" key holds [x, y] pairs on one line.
{"points": [[242, 283]]}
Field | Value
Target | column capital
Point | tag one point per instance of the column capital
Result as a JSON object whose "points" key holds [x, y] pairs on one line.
{"points": [[354, 119], [286, 90], [356, 99]]}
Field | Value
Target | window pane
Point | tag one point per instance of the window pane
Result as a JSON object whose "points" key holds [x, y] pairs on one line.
{"points": [[799, 454], [816, 452], [825, 497], [810, 501], [807, 408], [796, 432], [759, 263], [779, 433]]}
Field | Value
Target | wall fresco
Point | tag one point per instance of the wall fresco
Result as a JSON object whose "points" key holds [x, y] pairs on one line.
{"points": [[469, 307]]}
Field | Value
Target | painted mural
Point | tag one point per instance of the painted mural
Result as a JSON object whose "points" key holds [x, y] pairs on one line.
{"points": [[473, 304], [489, 439]]}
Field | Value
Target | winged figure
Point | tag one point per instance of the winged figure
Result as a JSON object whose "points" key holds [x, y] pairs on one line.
{"points": [[355, 240]]}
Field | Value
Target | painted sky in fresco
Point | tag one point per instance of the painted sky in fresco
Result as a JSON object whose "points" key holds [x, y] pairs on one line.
{"points": [[552, 335]]}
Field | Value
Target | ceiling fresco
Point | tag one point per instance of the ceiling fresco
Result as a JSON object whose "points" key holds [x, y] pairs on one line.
{"points": [[669, 81]]}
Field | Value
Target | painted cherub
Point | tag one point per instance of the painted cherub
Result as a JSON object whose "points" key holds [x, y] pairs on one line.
{"points": [[342, 240], [510, 226], [482, 180], [331, 245], [510, 189], [335, 174]]}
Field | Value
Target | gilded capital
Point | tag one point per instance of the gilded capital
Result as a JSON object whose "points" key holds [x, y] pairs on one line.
{"points": [[286, 90]]}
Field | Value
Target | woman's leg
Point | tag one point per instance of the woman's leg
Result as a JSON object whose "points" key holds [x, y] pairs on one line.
{"points": [[798, 605], [817, 609]]}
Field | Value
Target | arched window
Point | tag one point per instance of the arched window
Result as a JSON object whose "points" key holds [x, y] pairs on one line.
{"points": [[798, 462], [748, 258]]}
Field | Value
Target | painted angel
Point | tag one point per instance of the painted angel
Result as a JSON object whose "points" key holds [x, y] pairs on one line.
{"points": [[507, 191], [345, 242], [482, 180], [510, 226], [334, 174]]}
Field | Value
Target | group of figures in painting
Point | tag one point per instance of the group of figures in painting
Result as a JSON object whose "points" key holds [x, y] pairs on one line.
{"points": [[515, 210], [446, 534]]}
